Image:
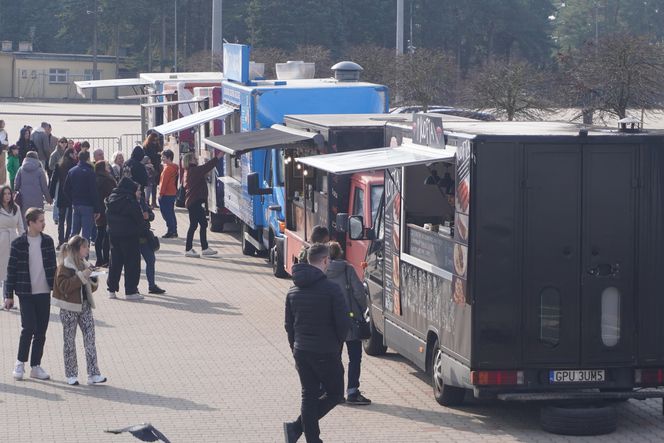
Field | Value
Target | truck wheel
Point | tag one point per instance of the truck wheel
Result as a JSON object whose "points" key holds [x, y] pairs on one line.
{"points": [[373, 345], [216, 222], [446, 395], [579, 419], [277, 263], [247, 248]]}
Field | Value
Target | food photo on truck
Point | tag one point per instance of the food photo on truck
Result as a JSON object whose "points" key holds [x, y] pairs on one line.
{"points": [[519, 262]]}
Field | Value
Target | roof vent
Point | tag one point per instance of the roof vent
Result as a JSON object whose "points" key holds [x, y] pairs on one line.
{"points": [[295, 70], [7, 46], [347, 71], [629, 124]]}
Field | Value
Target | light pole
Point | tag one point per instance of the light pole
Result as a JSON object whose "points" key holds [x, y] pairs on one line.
{"points": [[96, 10], [399, 27], [217, 35], [175, 39]]}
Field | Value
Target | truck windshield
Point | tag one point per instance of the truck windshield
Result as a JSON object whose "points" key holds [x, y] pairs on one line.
{"points": [[376, 195]]}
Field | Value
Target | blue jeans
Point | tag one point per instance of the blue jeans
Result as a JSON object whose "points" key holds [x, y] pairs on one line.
{"points": [[82, 220], [150, 260], [354, 348], [167, 206]]}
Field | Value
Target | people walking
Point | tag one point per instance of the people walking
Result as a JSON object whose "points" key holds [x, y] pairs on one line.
{"points": [[25, 143], [73, 294], [125, 225], [81, 188], [153, 148], [63, 205], [196, 195], [105, 185], [13, 163], [30, 184], [116, 168], [11, 226], [342, 273], [45, 143], [146, 245], [30, 275], [168, 188], [4, 144], [317, 322]]}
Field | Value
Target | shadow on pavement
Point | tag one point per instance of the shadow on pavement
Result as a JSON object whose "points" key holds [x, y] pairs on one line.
{"points": [[200, 263], [193, 305], [120, 395], [21, 388], [54, 317]]}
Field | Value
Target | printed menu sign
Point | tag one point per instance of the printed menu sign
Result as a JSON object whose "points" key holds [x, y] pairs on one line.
{"points": [[392, 242], [428, 131], [462, 222]]}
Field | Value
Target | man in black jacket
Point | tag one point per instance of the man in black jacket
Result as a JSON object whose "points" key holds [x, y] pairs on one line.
{"points": [[135, 169], [125, 225], [317, 321]]}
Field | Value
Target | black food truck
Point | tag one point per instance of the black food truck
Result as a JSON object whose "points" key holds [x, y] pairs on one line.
{"points": [[521, 261]]}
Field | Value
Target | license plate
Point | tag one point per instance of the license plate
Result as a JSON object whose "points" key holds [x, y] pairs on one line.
{"points": [[577, 376]]}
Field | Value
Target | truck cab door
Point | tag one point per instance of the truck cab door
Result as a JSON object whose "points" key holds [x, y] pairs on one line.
{"points": [[375, 263], [356, 249]]}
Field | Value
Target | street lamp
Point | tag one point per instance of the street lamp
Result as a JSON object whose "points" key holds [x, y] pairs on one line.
{"points": [[97, 9]]}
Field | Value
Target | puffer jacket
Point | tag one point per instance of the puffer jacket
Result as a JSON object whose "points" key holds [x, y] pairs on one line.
{"points": [[135, 169], [123, 212], [71, 287], [316, 317], [343, 274], [30, 183]]}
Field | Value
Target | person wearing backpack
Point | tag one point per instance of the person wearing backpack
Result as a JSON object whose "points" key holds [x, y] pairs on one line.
{"points": [[168, 185]]}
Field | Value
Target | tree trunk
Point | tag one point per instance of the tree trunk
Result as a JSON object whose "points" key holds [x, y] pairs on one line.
{"points": [[587, 116]]}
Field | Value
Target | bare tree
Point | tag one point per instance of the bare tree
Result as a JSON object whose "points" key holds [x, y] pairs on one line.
{"points": [[319, 55], [379, 64], [269, 56], [426, 77], [514, 90], [620, 72]]}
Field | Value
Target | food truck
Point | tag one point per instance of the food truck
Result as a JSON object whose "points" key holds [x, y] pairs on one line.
{"points": [[530, 272], [254, 138]]}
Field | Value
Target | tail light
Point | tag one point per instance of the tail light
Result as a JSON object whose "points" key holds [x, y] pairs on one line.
{"points": [[649, 377], [496, 378], [282, 226]]}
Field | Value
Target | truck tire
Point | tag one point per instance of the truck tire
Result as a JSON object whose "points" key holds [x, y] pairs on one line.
{"points": [[373, 345], [446, 395], [216, 222], [579, 419], [277, 263], [247, 248]]}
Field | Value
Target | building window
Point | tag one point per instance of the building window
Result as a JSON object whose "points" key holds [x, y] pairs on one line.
{"points": [[56, 75], [88, 74]]}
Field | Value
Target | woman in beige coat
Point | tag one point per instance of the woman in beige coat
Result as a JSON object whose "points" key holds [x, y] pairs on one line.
{"points": [[11, 226]]}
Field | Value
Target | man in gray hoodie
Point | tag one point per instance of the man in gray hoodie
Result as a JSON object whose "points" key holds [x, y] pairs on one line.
{"points": [[45, 143]]}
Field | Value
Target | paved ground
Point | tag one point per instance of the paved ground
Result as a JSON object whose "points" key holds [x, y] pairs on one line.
{"points": [[209, 362]]}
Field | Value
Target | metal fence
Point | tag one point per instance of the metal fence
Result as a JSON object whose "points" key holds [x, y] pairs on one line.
{"points": [[124, 143]]}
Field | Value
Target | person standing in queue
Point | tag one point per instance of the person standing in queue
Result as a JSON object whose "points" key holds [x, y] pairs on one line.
{"points": [[319, 234], [317, 322], [196, 195], [146, 246], [30, 184], [168, 188], [135, 169], [125, 225], [30, 275], [25, 144], [81, 188], [63, 206], [152, 147], [105, 185]]}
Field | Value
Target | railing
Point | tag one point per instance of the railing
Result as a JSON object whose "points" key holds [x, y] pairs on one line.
{"points": [[124, 143]]}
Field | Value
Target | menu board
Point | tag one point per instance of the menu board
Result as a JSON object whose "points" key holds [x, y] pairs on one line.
{"points": [[392, 243], [461, 222], [431, 247]]}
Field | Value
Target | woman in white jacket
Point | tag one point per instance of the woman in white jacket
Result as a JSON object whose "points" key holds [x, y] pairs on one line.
{"points": [[11, 226]]}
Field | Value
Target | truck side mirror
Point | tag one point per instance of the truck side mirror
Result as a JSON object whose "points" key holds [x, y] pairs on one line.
{"points": [[356, 227], [253, 187], [342, 222]]}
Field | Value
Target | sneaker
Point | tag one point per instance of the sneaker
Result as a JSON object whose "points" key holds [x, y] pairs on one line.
{"points": [[167, 235], [209, 251], [112, 295], [174, 235], [156, 290], [134, 296], [96, 379], [39, 373], [192, 253], [357, 399], [19, 370], [291, 432], [72, 381]]}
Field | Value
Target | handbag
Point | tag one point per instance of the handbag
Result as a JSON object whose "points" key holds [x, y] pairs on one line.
{"points": [[180, 197], [153, 241], [359, 325]]}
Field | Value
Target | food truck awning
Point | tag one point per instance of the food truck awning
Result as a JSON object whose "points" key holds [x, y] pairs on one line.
{"points": [[380, 158], [82, 85], [174, 102], [195, 119], [276, 136]]}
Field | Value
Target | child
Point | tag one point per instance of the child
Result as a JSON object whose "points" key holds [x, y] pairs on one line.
{"points": [[149, 189], [72, 293], [13, 163]]}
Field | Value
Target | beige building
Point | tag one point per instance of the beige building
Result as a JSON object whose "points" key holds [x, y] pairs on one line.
{"points": [[26, 74]]}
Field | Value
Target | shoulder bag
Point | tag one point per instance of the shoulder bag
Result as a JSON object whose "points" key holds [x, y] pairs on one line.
{"points": [[359, 324]]}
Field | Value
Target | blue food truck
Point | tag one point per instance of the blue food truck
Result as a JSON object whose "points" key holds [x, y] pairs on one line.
{"points": [[254, 138]]}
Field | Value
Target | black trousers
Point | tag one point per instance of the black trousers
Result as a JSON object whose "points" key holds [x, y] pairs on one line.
{"points": [[197, 218], [102, 246], [64, 225], [125, 253], [317, 369], [35, 313]]}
